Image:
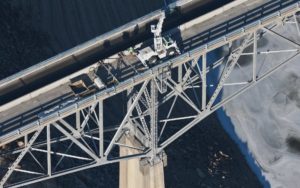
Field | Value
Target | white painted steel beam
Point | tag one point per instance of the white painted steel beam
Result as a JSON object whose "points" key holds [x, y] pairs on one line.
{"points": [[146, 103]]}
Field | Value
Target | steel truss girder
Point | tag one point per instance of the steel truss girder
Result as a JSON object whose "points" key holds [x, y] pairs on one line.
{"points": [[143, 111], [275, 18]]}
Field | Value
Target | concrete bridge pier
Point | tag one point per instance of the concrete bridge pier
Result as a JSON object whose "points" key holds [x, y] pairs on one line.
{"points": [[137, 173], [147, 172]]}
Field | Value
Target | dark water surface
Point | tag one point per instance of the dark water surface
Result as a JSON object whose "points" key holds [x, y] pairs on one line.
{"points": [[33, 30], [71, 22], [226, 123]]}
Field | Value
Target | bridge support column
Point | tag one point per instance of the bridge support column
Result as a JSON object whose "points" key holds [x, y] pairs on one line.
{"points": [[147, 172], [136, 173]]}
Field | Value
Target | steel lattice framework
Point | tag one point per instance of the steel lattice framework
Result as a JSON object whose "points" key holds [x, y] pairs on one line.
{"points": [[172, 94]]}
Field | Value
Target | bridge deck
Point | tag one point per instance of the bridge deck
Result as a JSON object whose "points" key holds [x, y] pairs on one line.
{"points": [[190, 35], [101, 47]]}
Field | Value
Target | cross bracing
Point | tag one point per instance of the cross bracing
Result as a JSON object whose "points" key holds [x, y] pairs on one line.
{"points": [[89, 132]]}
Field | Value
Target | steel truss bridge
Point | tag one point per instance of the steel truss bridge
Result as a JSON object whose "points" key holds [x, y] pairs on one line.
{"points": [[154, 106]]}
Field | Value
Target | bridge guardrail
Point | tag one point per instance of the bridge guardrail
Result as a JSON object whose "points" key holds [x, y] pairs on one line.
{"points": [[79, 49]]}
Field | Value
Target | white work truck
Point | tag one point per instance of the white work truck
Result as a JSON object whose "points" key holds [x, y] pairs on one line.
{"points": [[163, 46]]}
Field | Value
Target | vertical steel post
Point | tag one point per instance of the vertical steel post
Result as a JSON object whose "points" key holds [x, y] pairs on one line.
{"points": [[297, 24], [78, 120], [100, 124], [254, 56], [49, 163], [204, 85], [153, 122], [25, 140], [180, 73]]}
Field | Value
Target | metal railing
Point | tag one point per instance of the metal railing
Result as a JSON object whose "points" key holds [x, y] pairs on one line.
{"points": [[137, 79]]}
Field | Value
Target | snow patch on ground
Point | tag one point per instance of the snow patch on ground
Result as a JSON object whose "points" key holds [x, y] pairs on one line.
{"points": [[267, 117]]}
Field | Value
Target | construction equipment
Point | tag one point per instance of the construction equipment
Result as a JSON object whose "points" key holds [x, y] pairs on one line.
{"points": [[163, 46], [83, 84]]}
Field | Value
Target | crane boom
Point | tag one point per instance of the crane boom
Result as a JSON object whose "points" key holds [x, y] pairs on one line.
{"points": [[163, 46], [156, 30]]}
